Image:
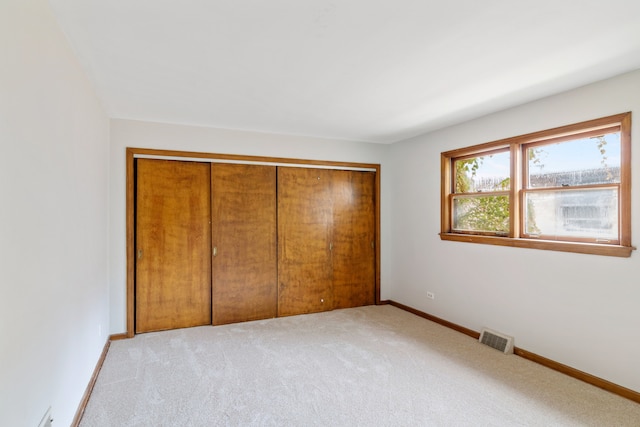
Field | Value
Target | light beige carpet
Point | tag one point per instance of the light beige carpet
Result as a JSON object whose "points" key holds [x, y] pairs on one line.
{"points": [[368, 366]]}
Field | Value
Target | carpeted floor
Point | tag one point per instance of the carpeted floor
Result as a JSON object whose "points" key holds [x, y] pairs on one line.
{"points": [[368, 366]]}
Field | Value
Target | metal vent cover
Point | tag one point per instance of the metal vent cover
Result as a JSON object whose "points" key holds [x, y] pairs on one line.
{"points": [[496, 340]]}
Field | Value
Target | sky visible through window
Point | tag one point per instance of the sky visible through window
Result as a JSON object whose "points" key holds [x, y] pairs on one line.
{"points": [[579, 154]]}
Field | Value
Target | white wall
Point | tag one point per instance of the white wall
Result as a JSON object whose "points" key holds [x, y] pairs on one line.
{"points": [[53, 220], [127, 133], [580, 310], [61, 186]]}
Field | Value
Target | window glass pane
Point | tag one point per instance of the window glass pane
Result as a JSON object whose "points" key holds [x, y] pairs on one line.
{"points": [[483, 173], [586, 161], [481, 213], [573, 213]]}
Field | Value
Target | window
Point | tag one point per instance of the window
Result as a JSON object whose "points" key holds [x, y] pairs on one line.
{"points": [[565, 189]]}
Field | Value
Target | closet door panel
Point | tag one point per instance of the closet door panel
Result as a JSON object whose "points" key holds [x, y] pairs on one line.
{"points": [[173, 245], [244, 238], [304, 232], [353, 255]]}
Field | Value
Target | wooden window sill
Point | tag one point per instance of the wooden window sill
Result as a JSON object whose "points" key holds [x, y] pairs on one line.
{"points": [[550, 245]]}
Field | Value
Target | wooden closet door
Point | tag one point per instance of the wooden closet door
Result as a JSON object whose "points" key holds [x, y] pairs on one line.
{"points": [[173, 245], [244, 240], [353, 254], [304, 230]]}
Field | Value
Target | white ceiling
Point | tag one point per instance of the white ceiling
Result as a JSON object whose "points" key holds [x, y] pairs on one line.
{"points": [[366, 70]]}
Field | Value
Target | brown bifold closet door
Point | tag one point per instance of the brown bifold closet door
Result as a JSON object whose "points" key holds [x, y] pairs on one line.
{"points": [[244, 242], [173, 245], [304, 238], [353, 249]]}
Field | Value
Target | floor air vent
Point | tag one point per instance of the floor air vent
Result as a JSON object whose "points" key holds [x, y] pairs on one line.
{"points": [[499, 341]]}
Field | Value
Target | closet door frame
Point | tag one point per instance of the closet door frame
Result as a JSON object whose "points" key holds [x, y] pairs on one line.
{"points": [[133, 153]]}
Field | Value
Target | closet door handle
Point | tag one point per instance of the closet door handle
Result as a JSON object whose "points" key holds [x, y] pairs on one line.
{"points": [[215, 251], [139, 253]]}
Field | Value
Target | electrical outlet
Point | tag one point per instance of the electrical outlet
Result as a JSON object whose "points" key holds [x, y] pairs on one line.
{"points": [[431, 295], [47, 419]]}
